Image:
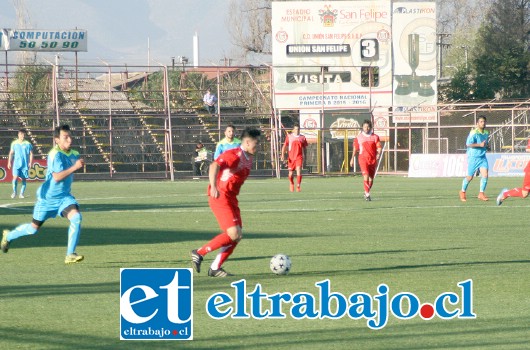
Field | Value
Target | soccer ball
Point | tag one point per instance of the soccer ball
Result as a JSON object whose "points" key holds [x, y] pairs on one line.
{"points": [[280, 264]]}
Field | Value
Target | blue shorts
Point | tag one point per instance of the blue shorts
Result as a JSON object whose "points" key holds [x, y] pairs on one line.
{"points": [[475, 163], [47, 209], [20, 172]]}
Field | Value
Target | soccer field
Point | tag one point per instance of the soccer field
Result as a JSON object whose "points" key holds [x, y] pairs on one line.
{"points": [[415, 236]]}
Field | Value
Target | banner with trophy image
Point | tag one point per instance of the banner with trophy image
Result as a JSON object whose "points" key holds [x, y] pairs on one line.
{"points": [[414, 41]]}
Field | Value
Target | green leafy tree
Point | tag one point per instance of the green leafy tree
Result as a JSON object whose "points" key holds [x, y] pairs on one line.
{"points": [[501, 58], [460, 87], [186, 90], [31, 91]]}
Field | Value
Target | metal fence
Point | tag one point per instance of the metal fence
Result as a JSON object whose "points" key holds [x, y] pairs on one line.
{"points": [[145, 121]]}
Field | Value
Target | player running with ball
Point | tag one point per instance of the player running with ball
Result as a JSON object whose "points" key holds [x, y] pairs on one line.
{"points": [[369, 147], [227, 174]]}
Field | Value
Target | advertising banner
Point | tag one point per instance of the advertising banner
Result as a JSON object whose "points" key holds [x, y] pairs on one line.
{"points": [[43, 40], [321, 49], [310, 124], [455, 165], [37, 172], [343, 123], [414, 55]]}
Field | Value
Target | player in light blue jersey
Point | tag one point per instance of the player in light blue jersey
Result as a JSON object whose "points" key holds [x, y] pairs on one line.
{"points": [[19, 160], [228, 142], [54, 197], [477, 145]]}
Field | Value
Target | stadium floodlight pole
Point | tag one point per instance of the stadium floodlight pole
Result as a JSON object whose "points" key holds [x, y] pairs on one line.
{"points": [[7, 73], [167, 105], [110, 115], [274, 148], [55, 93]]}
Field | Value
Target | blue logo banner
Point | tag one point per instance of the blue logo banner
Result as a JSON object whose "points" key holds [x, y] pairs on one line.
{"points": [[156, 304]]}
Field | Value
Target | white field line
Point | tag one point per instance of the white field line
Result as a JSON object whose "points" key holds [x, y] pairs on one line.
{"points": [[295, 210], [13, 205]]}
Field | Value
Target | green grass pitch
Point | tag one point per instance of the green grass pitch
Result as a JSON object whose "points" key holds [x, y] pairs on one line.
{"points": [[415, 236]]}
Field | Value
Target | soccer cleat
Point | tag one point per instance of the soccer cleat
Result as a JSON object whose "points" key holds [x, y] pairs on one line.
{"points": [[483, 197], [218, 273], [367, 197], [298, 189], [21, 196], [73, 258], [196, 260], [500, 197], [291, 187], [463, 196], [13, 195], [4, 245]]}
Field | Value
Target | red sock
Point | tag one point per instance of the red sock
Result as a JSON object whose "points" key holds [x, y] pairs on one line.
{"points": [[298, 180], [514, 192], [226, 251], [217, 242], [291, 179], [366, 186], [370, 184]]}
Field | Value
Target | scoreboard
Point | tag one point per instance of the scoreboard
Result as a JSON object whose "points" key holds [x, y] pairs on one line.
{"points": [[330, 56]]}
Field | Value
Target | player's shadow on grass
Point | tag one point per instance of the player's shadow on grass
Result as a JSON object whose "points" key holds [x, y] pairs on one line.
{"points": [[30, 291], [56, 236], [27, 209], [476, 334], [350, 253], [398, 336], [35, 338], [464, 263]]}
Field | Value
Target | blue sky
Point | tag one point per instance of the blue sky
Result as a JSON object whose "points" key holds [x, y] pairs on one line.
{"points": [[118, 29]]}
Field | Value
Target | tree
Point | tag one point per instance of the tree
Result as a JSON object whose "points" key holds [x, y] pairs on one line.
{"points": [[31, 89], [459, 88], [460, 20], [501, 60], [250, 27]]}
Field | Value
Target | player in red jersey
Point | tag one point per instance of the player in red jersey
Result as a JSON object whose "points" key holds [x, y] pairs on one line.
{"points": [[227, 174], [518, 191], [369, 147], [296, 144]]}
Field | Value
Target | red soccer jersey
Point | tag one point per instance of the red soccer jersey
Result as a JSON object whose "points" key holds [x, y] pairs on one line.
{"points": [[367, 144], [235, 167], [296, 144]]}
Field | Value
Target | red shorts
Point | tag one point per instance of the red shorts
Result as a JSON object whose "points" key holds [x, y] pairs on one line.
{"points": [[294, 163], [526, 182], [226, 211], [367, 167]]}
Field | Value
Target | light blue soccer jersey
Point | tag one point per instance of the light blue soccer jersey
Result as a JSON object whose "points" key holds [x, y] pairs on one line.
{"points": [[58, 160], [21, 153], [224, 145], [475, 136]]}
